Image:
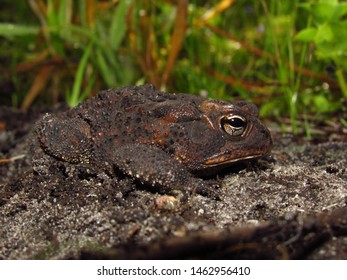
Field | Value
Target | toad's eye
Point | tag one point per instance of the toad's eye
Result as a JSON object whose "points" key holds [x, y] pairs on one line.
{"points": [[233, 125]]}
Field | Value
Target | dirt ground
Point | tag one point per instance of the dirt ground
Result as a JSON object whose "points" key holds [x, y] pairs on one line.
{"points": [[290, 205]]}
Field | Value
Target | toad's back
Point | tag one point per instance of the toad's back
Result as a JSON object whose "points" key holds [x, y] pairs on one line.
{"points": [[140, 114]]}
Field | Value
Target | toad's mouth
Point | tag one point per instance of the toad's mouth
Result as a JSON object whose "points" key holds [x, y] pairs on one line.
{"points": [[222, 160]]}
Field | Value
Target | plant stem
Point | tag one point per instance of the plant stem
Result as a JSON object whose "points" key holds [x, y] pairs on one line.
{"points": [[341, 81]]}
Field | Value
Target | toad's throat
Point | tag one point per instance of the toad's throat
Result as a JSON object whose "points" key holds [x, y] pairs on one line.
{"points": [[221, 160]]}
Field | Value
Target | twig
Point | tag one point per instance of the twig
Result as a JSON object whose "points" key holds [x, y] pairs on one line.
{"points": [[7, 160]]}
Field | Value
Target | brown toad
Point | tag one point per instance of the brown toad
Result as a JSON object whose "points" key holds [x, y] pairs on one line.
{"points": [[159, 139]]}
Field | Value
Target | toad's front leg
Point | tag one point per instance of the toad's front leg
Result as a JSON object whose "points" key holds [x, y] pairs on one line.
{"points": [[152, 166], [67, 139]]}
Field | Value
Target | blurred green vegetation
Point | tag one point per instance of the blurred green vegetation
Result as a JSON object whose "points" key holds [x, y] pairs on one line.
{"points": [[288, 57]]}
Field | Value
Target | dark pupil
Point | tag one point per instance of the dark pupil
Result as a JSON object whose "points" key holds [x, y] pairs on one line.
{"points": [[236, 122]]}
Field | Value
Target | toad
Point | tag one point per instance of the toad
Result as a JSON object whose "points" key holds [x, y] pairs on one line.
{"points": [[163, 140]]}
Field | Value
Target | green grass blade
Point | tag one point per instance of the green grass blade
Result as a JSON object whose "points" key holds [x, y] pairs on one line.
{"points": [[342, 82], [64, 19], [87, 89], [118, 25], [104, 68], [82, 8], [52, 18], [74, 98], [13, 30], [65, 12]]}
